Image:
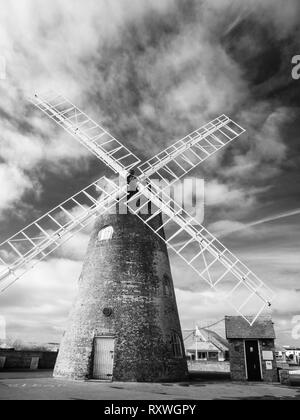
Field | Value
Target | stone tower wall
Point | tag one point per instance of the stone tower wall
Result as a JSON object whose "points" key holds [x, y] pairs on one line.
{"points": [[131, 275]]}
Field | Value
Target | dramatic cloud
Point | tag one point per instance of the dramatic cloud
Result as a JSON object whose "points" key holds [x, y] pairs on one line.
{"points": [[41, 300], [138, 67], [152, 71], [13, 184]]}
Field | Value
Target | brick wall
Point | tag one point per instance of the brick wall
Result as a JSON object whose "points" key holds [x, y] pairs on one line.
{"points": [[203, 366], [269, 375], [22, 359], [125, 274], [238, 364], [237, 360]]}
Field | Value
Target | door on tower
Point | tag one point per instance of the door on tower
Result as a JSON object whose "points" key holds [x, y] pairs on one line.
{"points": [[253, 361], [104, 348]]}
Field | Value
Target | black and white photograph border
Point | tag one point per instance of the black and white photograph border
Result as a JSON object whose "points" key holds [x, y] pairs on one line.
{"points": [[149, 212]]}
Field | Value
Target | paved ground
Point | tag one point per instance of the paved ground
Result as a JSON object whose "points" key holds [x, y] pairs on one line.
{"points": [[41, 386]]}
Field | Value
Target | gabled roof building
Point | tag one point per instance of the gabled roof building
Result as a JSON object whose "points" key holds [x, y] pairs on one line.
{"points": [[207, 345]]}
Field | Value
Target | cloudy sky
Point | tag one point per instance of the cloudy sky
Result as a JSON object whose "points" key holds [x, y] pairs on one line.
{"points": [[152, 71]]}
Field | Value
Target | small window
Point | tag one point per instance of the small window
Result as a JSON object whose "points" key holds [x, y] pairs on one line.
{"points": [[202, 355], [176, 346], [106, 234], [213, 356]]}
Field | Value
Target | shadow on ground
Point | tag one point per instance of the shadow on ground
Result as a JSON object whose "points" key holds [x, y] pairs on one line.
{"points": [[25, 374], [39, 385], [209, 377]]}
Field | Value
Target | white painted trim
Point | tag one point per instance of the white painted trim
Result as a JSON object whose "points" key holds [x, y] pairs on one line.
{"points": [[106, 234], [245, 358], [105, 336], [260, 360]]}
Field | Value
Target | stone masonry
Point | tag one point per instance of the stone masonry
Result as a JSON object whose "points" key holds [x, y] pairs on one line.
{"points": [[130, 276], [237, 360], [237, 332]]}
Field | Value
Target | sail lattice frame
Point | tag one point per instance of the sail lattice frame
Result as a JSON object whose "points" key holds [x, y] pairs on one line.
{"points": [[204, 253], [89, 133], [41, 238]]}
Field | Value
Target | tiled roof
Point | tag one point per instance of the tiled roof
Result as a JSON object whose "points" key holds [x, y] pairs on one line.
{"points": [[216, 339], [210, 339], [237, 327], [280, 348]]}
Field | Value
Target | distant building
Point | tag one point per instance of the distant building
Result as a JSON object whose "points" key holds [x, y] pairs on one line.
{"points": [[206, 345], [28, 356], [292, 355], [281, 359], [27, 359], [252, 349], [280, 353], [52, 346]]}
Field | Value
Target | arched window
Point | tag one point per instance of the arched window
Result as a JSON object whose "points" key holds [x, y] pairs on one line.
{"points": [[106, 234], [176, 346], [167, 286]]}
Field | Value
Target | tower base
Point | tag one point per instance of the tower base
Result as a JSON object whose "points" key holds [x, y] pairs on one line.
{"points": [[124, 325]]}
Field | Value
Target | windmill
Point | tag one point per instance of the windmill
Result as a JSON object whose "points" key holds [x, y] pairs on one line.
{"points": [[166, 226]]}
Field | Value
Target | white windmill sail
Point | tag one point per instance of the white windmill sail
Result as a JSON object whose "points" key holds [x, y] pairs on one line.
{"points": [[89, 133], [204, 253], [186, 154], [38, 240], [211, 260]]}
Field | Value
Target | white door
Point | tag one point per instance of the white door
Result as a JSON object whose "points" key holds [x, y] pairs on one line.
{"points": [[2, 362], [104, 358], [34, 363]]}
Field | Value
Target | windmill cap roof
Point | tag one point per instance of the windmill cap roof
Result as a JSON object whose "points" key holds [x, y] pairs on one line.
{"points": [[238, 328]]}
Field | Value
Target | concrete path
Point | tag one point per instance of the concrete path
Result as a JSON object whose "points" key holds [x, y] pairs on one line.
{"points": [[41, 386]]}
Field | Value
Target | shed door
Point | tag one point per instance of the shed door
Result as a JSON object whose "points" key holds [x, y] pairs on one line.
{"points": [[104, 358], [253, 361]]}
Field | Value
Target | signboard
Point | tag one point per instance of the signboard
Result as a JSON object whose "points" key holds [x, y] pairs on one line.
{"points": [[269, 365], [268, 355]]}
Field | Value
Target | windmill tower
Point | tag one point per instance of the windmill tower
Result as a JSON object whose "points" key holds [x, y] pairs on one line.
{"points": [[124, 324]]}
